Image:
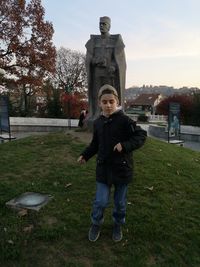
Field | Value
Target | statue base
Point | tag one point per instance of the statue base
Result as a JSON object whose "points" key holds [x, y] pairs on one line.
{"points": [[90, 123]]}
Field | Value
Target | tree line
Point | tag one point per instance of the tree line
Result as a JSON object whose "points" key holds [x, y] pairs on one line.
{"points": [[38, 79]]}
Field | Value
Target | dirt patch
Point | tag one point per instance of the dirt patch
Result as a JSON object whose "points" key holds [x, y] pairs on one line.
{"points": [[82, 136], [50, 221]]}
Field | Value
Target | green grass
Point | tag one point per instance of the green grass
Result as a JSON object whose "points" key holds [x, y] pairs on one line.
{"points": [[163, 218]]}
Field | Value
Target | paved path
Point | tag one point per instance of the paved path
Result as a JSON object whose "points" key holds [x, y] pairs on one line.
{"points": [[189, 144], [192, 145]]}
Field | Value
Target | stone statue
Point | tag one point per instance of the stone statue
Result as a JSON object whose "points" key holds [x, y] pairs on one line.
{"points": [[105, 64]]}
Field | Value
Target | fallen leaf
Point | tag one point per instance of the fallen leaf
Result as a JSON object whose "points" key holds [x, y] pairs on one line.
{"points": [[149, 188], [23, 212], [28, 229], [125, 243], [178, 172], [11, 242], [55, 183], [67, 185]]}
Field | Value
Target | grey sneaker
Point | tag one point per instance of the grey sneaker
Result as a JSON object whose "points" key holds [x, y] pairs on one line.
{"points": [[117, 233], [94, 232]]}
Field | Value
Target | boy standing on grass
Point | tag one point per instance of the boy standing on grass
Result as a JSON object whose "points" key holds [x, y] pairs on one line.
{"points": [[115, 136]]}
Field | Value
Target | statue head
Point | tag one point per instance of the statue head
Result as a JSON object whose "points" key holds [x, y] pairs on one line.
{"points": [[104, 24]]}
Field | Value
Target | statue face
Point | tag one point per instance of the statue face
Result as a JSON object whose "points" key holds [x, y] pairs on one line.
{"points": [[104, 26]]}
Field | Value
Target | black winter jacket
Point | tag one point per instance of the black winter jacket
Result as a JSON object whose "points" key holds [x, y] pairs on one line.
{"points": [[114, 167]]}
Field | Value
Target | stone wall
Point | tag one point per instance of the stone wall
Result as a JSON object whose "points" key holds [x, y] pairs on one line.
{"points": [[23, 124]]}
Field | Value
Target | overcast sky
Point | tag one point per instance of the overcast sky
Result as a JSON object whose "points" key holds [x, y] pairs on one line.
{"points": [[162, 37]]}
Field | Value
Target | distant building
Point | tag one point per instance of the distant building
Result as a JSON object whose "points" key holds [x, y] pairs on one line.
{"points": [[144, 104]]}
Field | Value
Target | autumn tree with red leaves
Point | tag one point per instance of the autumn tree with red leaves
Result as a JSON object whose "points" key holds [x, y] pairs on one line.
{"points": [[196, 109], [73, 104], [186, 106], [27, 53]]}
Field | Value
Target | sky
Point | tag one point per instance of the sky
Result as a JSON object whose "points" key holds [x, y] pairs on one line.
{"points": [[161, 37]]}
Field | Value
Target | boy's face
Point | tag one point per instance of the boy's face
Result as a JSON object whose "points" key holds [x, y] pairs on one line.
{"points": [[108, 103]]}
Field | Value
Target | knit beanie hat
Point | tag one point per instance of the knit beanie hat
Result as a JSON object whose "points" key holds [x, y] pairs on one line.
{"points": [[107, 89]]}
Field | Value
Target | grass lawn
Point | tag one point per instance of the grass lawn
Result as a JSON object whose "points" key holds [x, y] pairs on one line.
{"points": [[163, 212]]}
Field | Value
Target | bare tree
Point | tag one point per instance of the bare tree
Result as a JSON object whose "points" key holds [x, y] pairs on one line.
{"points": [[70, 70]]}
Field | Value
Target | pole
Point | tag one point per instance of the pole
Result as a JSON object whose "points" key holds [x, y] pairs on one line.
{"points": [[68, 90], [69, 114]]}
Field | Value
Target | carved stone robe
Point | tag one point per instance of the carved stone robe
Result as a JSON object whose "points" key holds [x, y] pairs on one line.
{"points": [[105, 64]]}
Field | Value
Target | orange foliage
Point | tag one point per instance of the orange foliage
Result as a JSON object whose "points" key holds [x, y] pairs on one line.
{"points": [[73, 104]]}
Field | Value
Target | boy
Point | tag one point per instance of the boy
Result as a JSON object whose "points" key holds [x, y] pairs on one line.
{"points": [[115, 136]]}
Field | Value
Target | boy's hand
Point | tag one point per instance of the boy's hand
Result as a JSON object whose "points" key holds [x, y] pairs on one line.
{"points": [[117, 147], [81, 160]]}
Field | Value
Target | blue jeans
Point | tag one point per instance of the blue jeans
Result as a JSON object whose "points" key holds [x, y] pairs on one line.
{"points": [[101, 201]]}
